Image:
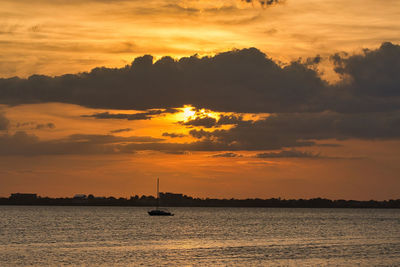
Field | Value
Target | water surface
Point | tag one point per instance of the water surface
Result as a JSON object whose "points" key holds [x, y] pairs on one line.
{"points": [[123, 236]]}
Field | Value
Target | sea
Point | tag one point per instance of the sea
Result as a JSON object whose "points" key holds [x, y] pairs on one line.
{"points": [[128, 236]]}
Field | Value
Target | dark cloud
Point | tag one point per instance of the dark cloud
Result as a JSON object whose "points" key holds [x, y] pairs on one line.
{"points": [[174, 135], [240, 80], [227, 155], [288, 154], [301, 154], [329, 145], [373, 73], [31, 125], [202, 145], [176, 152], [4, 122], [136, 116], [25, 124], [264, 3], [371, 80], [312, 61], [121, 116], [201, 134], [49, 125], [304, 129], [107, 139], [121, 130], [208, 122], [171, 110], [229, 119], [22, 143], [277, 131]]}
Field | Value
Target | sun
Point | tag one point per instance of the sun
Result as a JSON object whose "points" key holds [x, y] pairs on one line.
{"points": [[188, 112], [185, 113]]}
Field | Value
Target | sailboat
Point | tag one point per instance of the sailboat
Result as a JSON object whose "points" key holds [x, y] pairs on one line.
{"points": [[157, 211]]}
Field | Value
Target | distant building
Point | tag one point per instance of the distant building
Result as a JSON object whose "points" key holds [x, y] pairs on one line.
{"points": [[23, 196], [171, 196], [80, 196]]}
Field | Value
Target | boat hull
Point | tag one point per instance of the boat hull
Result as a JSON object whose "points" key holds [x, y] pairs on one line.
{"points": [[159, 213]]}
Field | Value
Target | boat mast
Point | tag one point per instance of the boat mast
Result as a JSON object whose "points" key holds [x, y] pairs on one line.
{"points": [[158, 194]]}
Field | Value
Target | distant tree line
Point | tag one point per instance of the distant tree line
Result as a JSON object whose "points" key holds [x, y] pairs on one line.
{"points": [[180, 200]]}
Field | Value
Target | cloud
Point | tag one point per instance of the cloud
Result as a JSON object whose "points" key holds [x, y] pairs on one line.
{"points": [[180, 9], [49, 125], [209, 122], [304, 129], [4, 122], [304, 109], [202, 145], [227, 155], [30, 124], [35, 126], [24, 144], [235, 81], [278, 131], [201, 134], [264, 3], [136, 116], [239, 81], [176, 152], [121, 116], [107, 139], [371, 80], [373, 73], [206, 122], [121, 130], [174, 135], [288, 154], [301, 154], [229, 119]]}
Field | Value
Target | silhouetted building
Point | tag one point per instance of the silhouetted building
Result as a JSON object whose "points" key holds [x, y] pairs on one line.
{"points": [[80, 199], [171, 196], [23, 197]]}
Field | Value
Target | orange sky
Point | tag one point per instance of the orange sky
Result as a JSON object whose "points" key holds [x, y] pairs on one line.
{"points": [[268, 133], [56, 37]]}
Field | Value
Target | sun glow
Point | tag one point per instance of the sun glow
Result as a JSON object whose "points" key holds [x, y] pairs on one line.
{"points": [[207, 113], [188, 113]]}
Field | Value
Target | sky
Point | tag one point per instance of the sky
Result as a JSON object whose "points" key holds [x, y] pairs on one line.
{"points": [[222, 98]]}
